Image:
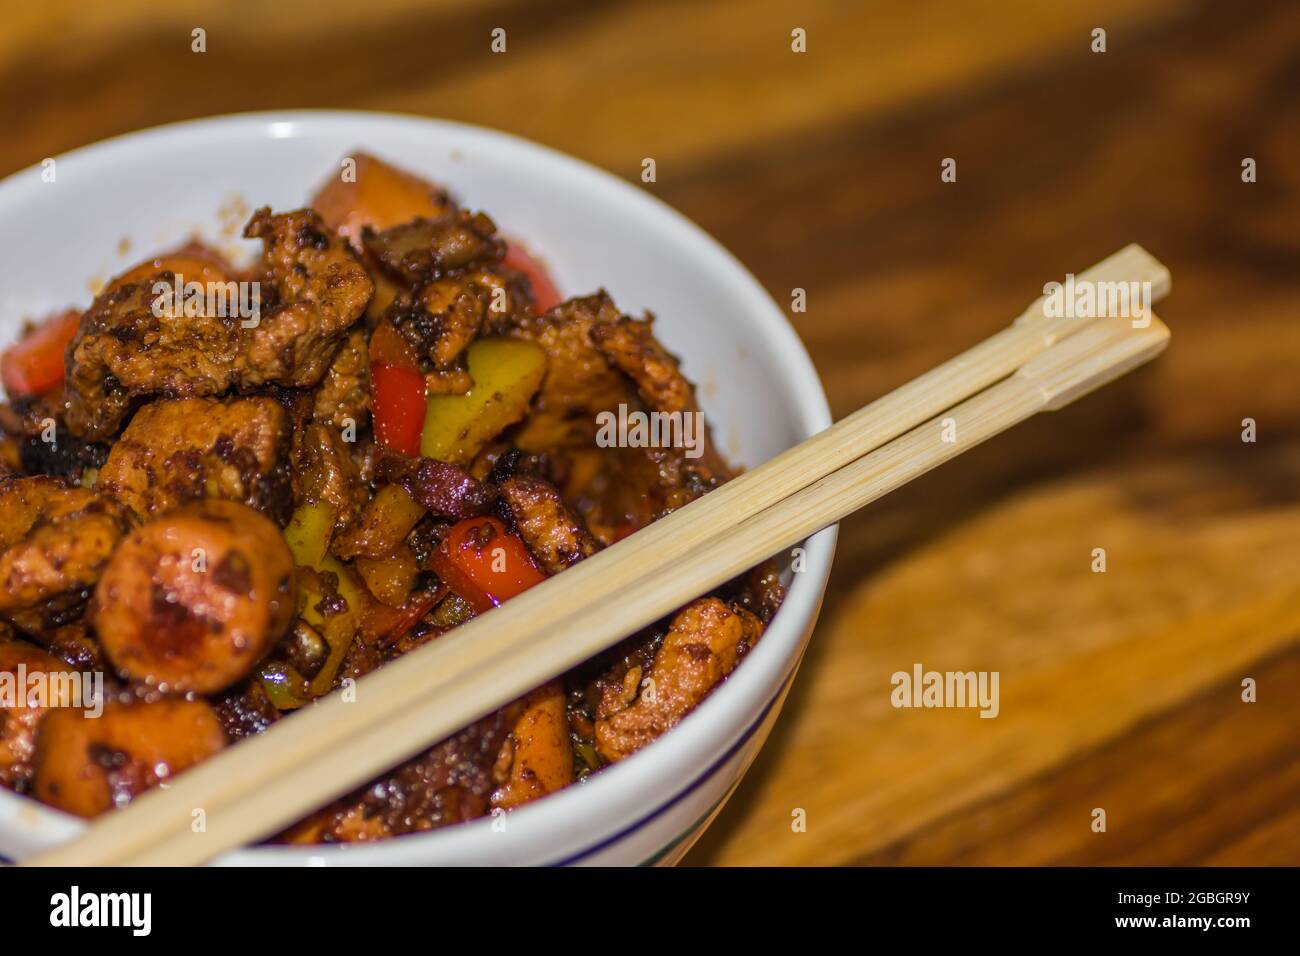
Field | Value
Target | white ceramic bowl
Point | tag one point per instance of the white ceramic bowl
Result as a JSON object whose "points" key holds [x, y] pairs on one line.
{"points": [[760, 390]]}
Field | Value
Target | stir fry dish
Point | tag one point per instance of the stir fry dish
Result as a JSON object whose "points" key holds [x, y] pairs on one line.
{"points": [[226, 491]]}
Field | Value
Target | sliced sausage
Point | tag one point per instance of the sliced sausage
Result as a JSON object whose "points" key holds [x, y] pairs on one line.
{"points": [[194, 599], [86, 765], [18, 721]]}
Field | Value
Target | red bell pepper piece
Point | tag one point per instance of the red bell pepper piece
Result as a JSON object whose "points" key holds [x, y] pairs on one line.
{"points": [[397, 395], [387, 347], [545, 295], [397, 391], [34, 365], [390, 624], [484, 563]]}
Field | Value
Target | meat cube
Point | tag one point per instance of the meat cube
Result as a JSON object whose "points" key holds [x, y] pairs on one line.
{"points": [[180, 450]]}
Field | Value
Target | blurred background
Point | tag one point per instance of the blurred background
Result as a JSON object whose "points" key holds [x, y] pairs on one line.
{"points": [[1119, 690]]}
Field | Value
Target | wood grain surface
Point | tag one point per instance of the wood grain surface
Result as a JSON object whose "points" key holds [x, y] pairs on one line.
{"points": [[1119, 690]]}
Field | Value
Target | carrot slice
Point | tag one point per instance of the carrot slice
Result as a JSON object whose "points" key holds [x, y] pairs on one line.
{"points": [[35, 366]]}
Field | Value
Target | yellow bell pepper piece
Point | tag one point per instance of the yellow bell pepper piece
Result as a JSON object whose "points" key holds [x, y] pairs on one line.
{"points": [[308, 533], [337, 629], [506, 372]]}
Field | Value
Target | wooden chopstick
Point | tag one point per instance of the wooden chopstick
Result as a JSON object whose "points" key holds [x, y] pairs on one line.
{"points": [[317, 754]]}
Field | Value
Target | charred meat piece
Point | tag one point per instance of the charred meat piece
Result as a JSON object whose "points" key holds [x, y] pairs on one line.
{"points": [[704, 643], [67, 457], [176, 451], [441, 318], [425, 249], [554, 535], [324, 471], [132, 343], [579, 383], [631, 346], [618, 490], [451, 783], [600, 360], [343, 397], [43, 443], [87, 765], [194, 599], [54, 543], [320, 288]]}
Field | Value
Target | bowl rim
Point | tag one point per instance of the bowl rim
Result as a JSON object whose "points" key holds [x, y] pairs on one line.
{"points": [[751, 688]]}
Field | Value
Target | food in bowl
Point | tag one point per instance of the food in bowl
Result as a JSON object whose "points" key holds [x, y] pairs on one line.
{"points": [[234, 490]]}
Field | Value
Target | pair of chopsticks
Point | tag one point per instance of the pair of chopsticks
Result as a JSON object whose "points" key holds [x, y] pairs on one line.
{"points": [[265, 783]]}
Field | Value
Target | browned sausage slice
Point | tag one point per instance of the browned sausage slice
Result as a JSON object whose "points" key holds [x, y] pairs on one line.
{"points": [[86, 765], [193, 600], [18, 721]]}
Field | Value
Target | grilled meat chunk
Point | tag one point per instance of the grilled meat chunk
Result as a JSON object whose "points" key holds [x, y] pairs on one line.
{"points": [[553, 534], [425, 249], [343, 396], [130, 345], [42, 441], [579, 381], [323, 471], [175, 451], [631, 347], [441, 318], [704, 643], [320, 290], [54, 543]]}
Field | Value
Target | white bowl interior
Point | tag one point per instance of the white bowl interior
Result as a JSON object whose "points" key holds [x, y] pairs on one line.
{"points": [[112, 204]]}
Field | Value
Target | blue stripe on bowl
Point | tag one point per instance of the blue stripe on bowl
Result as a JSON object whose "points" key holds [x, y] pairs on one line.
{"points": [[681, 794]]}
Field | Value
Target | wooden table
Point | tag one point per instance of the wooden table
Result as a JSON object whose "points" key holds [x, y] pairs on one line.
{"points": [[1119, 690]]}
